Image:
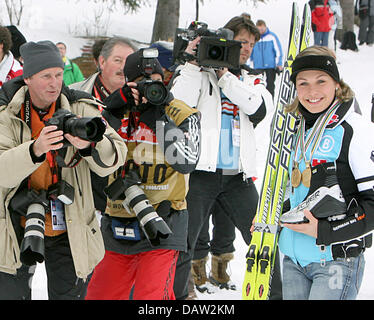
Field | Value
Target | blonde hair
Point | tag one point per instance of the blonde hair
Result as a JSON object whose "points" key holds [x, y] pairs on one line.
{"points": [[343, 92]]}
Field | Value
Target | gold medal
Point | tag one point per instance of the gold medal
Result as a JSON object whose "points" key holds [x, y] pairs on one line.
{"points": [[295, 175], [306, 175]]}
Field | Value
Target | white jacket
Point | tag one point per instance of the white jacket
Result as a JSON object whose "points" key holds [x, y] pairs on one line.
{"points": [[199, 88]]}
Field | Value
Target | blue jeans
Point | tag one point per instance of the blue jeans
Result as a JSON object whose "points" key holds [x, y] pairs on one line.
{"points": [[337, 280], [321, 38]]}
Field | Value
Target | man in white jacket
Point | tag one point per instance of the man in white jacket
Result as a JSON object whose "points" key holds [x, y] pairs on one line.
{"points": [[231, 103]]}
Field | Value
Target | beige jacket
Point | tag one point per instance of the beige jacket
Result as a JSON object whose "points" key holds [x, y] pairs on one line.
{"points": [[84, 234]]}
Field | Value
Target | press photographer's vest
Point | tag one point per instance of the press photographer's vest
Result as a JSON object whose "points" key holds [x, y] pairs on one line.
{"points": [[159, 180]]}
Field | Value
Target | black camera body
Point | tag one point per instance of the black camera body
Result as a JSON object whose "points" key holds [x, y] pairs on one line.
{"points": [[86, 128], [216, 49], [153, 90], [153, 226]]}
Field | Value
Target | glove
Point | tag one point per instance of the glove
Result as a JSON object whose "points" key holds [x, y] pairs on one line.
{"points": [[120, 101], [153, 114]]}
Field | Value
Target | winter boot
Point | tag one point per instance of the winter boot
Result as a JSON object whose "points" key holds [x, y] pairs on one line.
{"points": [[219, 276], [191, 288], [199, 276]]}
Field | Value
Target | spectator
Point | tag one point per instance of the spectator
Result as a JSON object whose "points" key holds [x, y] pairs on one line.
{"points": [[130, 259], [9, 66], [365, 10], [338, 22], [267, 55], [32, 154], [100, 85], [165, 57], [72, 73], [230, 102], [322, 20]]}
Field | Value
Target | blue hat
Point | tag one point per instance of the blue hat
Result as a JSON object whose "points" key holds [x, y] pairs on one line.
{"points": [[165, 55]]}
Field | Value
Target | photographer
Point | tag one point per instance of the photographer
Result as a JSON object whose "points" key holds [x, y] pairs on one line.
{"points": [[143, 239], [231, 103], [43, 162], [100, 85]]}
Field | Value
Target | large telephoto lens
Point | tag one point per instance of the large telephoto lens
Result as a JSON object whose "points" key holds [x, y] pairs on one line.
{"points": [[32, 246], [153, 225]]}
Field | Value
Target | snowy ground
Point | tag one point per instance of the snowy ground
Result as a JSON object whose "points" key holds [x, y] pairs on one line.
{"points": [[58, 20]]}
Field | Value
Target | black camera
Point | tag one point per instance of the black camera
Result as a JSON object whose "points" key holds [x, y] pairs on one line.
{"points": [[153, 226], [216, 49], [153, 90], [33, 204], [86, 128]]}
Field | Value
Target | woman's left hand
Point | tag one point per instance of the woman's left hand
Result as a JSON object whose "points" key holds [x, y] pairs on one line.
{"points": [[310, 228]]}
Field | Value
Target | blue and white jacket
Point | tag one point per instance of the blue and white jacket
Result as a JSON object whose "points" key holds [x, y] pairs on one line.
{"points": [[347, 141], [267, 52]]}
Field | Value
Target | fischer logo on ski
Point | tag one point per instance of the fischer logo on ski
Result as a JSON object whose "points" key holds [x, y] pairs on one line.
{"points": [[262, 249]]}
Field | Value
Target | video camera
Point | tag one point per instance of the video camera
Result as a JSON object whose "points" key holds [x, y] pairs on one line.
{"points": [[153, 226], [153, 90], [86, 128], [216, 49]]}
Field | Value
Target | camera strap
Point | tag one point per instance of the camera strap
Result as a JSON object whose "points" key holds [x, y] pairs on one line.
{"points": [[99, 89]]}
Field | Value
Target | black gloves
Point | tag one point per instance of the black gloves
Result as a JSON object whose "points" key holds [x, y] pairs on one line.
{"points": [[120, 101]]}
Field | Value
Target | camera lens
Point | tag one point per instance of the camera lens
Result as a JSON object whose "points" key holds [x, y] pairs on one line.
{"points": [[215, 52], [156, 93], [91, 129]]}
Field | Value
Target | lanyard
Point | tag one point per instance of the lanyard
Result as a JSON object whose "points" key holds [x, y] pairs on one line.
{"points": [[314, 137], [311, 143]]}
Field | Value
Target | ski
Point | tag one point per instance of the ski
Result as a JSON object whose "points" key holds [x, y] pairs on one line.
{"points": [[261, 253]]}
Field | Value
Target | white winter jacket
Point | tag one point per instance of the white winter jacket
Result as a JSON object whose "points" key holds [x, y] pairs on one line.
{"points": [[200, 89]]}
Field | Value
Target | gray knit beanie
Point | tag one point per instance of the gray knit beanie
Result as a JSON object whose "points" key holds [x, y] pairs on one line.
{"points": [[38, 56]]}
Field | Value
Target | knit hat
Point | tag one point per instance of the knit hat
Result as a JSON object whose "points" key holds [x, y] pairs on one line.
{"points": [[311, 62], [165, 54], [39, 56], [134, 66]]}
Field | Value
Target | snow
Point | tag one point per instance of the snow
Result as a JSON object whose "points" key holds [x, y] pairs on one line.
{"points": [[58, 20]]}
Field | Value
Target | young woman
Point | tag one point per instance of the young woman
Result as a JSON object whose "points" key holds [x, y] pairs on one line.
{"points": [[332, 179]]}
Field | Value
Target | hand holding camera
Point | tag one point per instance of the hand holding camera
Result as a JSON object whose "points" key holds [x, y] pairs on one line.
{"points": [[75, 130], [122, 100], [49, 139], [192, 49]]}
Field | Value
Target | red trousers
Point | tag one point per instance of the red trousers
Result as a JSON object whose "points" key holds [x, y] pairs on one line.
{"points": [[151, 272]]}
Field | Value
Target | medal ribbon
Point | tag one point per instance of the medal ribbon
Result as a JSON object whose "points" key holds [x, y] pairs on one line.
{"points": [[316, 133]]}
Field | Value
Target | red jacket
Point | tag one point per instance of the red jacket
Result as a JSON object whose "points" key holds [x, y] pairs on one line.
{"points": [[322, 17]]}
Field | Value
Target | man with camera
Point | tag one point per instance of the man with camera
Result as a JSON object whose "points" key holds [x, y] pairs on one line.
{"points": [[146, 222], [232, 99], [50, 137], [100, 85]]}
